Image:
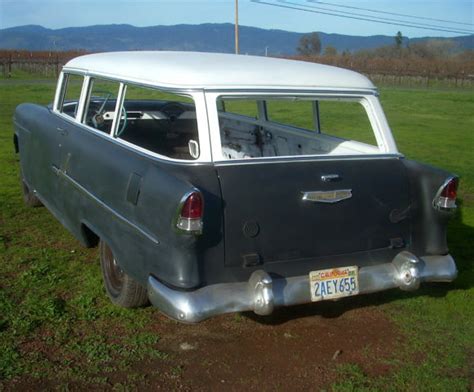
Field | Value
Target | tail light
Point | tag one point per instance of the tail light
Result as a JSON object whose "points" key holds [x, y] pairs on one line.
{"points": [[445, 198], [190, 213]]}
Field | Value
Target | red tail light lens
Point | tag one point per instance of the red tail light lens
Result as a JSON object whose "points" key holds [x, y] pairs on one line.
{"points": [[445, 198], [190, 213], [450, 189], [192, 207]]}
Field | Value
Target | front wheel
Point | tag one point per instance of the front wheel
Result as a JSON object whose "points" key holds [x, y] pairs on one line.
{"points": [[122, 289]]}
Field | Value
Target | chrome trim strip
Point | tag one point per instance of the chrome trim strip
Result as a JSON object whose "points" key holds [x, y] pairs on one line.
{"points": [[17, 124], [142, 231], [333, 196], [290, 90], [305, 158], [261, 293]]}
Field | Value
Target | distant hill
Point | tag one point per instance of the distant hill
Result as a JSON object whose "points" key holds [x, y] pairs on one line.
{"points": [[203, 37]]}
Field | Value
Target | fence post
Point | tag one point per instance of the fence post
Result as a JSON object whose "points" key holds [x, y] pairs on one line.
{"points": [[57, 65], [9, 74]]}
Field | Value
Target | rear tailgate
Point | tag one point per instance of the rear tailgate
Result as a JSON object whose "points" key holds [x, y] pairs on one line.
{"points": [[267, 220]]}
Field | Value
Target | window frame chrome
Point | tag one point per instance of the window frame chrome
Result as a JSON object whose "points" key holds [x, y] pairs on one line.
{"points": [[368, 98]]}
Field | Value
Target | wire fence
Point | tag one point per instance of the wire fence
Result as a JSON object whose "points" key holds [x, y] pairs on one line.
{"points": [[397, 71], [46, 64], [405, 71]]}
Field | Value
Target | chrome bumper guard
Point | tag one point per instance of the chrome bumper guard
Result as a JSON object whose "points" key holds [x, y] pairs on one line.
{"points": [[262, 294]]}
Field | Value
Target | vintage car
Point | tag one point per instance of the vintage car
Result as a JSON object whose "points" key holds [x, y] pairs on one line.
{"points": [[216, 183]]}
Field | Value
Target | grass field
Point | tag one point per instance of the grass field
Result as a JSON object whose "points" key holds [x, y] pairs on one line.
{"points": [[59, 331]]}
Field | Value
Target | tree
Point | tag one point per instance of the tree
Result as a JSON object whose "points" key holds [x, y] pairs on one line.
{"points": [[433, 48], [330, 51], [399, 40], [309, 45]]}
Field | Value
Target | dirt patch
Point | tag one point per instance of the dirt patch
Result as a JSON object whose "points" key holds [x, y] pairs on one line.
{"points": [[470, 368], [297, 348], [294, 349]]}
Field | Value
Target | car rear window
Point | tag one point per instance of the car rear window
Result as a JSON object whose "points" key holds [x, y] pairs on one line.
{"points": [[294, 126]]}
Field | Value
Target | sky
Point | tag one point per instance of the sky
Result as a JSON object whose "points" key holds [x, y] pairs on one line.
{"points": [[72, 13]]}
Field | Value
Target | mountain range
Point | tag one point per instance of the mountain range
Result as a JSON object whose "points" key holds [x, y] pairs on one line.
{"points": [[204, 37]]}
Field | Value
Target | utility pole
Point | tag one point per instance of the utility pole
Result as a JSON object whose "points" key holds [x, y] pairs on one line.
{"points": [[236, 26]]}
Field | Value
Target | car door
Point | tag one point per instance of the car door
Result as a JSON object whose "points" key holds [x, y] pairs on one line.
{"points": [[41, 137], [114, 185]]}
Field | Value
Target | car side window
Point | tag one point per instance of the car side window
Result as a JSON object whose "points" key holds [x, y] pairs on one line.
{"points": [[101, 102], [242, 107], [71, 93], [346, 120], [292, 113], [296, 126], [159, 121]]}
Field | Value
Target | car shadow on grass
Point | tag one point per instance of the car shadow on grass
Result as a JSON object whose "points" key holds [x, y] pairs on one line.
{"points": [[460, 237]]}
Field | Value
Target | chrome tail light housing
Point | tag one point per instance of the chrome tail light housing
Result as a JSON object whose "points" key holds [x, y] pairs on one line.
{"points": [[445, 198], [190, 213]]}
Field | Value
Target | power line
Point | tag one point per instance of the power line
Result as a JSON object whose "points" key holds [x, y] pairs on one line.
{"points": [[352, 15], [367, 19], [378, 18], [389, 13]]}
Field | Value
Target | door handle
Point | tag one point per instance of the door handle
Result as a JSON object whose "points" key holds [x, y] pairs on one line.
{"points": [[331, 177], [62, 131]]}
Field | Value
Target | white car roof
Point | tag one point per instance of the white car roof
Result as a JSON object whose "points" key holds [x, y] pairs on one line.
{"points": [[217, 71]]}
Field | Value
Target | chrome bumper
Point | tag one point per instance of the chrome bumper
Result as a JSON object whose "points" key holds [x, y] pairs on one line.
{"points": [[262, 294]]}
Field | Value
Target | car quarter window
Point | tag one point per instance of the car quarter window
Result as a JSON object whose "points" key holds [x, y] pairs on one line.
{"points": [[100, 105], [159, 121], [298, 125], [71, 93]]}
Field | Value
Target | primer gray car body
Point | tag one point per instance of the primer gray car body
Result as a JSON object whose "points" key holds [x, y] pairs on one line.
{"points": [[275, 202]]}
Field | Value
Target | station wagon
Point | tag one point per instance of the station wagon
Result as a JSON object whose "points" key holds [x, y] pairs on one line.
{"points": [[217, 183]]}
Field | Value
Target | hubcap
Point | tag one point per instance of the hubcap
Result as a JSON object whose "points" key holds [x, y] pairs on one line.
{"points": [[114, 273]]}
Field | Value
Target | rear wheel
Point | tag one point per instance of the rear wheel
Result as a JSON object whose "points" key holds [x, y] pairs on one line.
{"points": [[29, 197], [122, 289]]}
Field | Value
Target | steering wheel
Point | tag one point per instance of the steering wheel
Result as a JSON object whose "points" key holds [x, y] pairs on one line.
{"points": [[173, 110], [97, 118], [124, 125]]}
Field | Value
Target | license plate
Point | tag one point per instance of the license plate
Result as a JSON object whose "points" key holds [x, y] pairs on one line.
{"points": [[334, 283]]}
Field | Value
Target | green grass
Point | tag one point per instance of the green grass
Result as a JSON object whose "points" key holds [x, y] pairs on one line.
{"points": [[435, 127], [55, 320], [57, 324]]}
